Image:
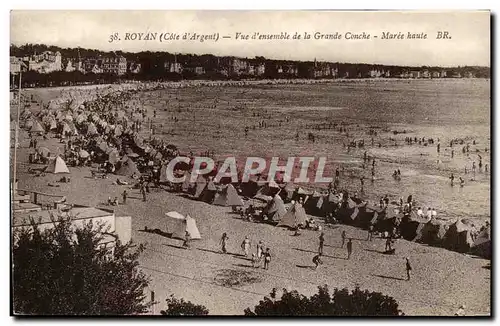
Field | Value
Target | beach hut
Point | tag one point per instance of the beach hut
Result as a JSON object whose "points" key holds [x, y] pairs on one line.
{"points": [[57, 165], [178, 224], [228, 197]]}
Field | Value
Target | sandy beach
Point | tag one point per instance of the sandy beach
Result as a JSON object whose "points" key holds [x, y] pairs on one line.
{"points": [[442, 280]]}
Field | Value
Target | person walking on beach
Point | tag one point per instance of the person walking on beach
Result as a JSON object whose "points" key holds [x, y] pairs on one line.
{"points": [[344, 235], [124, 195], [408, 268], [462, 182], [223, 242], [349, 248], [451, 179], [245, 246], [473, 170], [267, 259], [143, 192], [321, 243], [317, 261]]}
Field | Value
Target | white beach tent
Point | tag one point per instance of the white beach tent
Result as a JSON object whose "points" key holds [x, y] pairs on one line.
{"points": [[178, 224], [57, 165]]}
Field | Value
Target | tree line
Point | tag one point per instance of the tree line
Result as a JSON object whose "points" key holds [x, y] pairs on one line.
{"points": [[153, 67]]}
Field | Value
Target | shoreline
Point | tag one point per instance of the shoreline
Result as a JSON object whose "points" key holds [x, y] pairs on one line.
{"points": [[253, 82]]}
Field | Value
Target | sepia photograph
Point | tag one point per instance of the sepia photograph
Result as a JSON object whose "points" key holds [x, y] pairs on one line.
{"points": [[250, 163]]}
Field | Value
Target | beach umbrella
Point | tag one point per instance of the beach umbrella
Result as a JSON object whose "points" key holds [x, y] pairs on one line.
{"points": [[84, 154]]}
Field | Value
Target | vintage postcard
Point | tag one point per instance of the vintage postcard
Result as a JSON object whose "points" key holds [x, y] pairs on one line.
{"points": [[250, 163]]}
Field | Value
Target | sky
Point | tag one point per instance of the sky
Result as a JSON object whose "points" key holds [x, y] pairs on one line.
{"points": [[469, 30]]}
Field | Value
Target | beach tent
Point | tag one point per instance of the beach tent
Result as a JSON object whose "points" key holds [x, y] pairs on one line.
{"points": [[29, 122], [163, 173], [482, 244], [289, 190], [52, 124], [128, 168], [57, 165], [458, 237], [250, 188], [410, 225], [177, 224], [201, 183], [187, 185], [37, 127], [277, 209], [295, 216], [431, 233], [91, 129], [228, 197], [209, 192]]}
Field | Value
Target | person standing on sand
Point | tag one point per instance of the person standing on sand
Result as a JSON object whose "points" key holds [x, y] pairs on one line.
{"points": [[321, 243], [223, 242], [143, 192], [267, 259], [245, 246], [260, 250], [370, 233], [187, 241], [349, 248], [408, 268], [124, 195], [462, 182], [451, 179], [388, 244], [344, 235], [473, 170]]}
